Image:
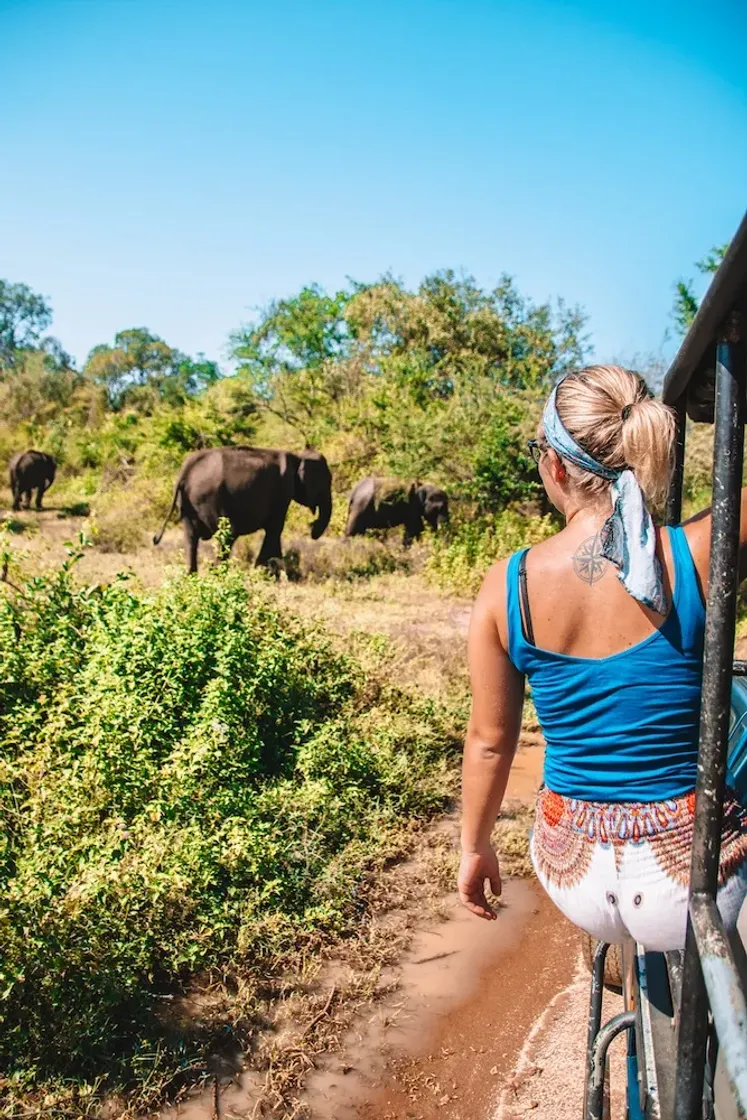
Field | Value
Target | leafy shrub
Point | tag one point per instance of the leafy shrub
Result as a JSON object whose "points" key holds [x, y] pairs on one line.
{"points": [[190, 780], [18, 525], [463, 554], [75, 509], [503, 469]]}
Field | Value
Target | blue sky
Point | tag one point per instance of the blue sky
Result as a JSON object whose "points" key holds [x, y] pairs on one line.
{"points": [[177, 164]]}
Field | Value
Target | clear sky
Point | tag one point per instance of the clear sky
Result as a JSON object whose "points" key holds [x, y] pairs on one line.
{"points": [[175, 164]]}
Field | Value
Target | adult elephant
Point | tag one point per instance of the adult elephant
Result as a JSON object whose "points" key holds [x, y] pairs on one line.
{"points": [[31, 470], [252, 487], [377, 503]]}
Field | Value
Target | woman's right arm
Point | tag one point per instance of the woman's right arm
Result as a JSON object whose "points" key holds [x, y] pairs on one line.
{"points": [[490, 745]]}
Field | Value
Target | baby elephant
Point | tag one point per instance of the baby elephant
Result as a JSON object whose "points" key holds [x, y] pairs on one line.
{"points": [[377, 503], [31, 470]]}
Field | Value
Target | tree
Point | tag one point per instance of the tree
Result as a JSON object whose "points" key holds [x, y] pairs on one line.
{"points": [[224, 413], [412, 382], [56, 358], [37, 390], [24, 315], [686, 303], [314, 352], [140, 370], [293, 357]]}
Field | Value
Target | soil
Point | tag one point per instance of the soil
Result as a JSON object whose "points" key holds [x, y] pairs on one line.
{"points": [[471, 1050], [487, 1022]]}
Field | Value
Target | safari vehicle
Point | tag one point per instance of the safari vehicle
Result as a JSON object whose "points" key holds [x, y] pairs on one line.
{"points": [[685, 1013]]}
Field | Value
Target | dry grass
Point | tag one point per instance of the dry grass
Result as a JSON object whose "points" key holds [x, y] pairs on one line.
{"points": [[419, 631]]}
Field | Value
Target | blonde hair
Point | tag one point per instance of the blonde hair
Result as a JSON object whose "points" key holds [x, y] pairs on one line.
{"points": [[612, 414]]}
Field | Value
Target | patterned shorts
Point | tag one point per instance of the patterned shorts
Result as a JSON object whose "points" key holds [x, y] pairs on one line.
{"points": [[623, 870]]}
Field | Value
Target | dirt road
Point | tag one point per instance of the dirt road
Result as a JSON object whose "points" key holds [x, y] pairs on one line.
{"points": [[487, 1022]]}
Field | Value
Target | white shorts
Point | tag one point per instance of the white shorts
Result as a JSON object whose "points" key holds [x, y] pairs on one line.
{"points": [[623, 870]]}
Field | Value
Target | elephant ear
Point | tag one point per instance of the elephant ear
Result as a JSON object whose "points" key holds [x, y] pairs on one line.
{"points": [[300, 490], [417, 495], [312, 478]]}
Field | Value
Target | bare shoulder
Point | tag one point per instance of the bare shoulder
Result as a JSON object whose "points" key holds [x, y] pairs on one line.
{"points": [[489, 610], [697, 530], [493, 589]]}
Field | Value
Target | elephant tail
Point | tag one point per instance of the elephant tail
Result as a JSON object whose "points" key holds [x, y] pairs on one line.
{"points": [[177, 493]]}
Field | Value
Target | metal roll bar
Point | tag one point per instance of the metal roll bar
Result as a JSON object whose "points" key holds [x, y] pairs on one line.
{"points": [[710, 980]]}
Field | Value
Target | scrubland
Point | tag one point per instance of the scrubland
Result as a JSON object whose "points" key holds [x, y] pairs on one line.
{"points": [[207, 784]]}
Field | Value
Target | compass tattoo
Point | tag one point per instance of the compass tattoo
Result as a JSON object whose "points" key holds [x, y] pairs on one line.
{"points": [[588, 562]]}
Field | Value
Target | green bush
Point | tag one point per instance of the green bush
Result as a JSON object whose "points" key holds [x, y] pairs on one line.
{"points": [[190, 780], [503, 471], [464, 552]]}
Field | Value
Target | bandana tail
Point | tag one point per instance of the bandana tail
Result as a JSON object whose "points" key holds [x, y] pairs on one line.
{"points": [[629, 542]]}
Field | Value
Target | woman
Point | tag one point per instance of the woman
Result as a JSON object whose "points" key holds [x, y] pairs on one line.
{"points": [[606, 621]]}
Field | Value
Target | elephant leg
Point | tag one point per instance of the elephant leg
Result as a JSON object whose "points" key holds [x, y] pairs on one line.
{"points": [[412, 533], [191, 542], [353, 526], [39, 493], [16, 496], [272, 548], [27, 499]]}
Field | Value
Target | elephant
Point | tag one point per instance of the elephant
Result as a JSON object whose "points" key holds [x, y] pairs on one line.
{"points": [[31, 470], [377, 503], [252, 487]]}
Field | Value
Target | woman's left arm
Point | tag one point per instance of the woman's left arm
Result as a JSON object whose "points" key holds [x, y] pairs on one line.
{"points": [[490, 744]]}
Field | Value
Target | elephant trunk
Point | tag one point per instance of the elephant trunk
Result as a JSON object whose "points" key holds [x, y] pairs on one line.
{"points": [[323, 516]]}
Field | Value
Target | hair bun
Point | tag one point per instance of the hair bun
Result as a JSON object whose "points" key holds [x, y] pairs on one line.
{"points": [[599, 406]]}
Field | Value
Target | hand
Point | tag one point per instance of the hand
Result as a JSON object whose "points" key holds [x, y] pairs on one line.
{"points": [[474, 869]]}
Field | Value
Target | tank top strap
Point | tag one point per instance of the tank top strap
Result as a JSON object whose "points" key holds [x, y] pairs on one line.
{"points": [[517, 643], [688, 602]]}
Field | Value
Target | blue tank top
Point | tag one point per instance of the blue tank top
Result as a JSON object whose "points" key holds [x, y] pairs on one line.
{"points": [[624, 727]]}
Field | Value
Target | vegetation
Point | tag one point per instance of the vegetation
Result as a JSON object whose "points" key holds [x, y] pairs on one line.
{"points": [[685, 300], [192, 780], [435, 383], [443, 383]]}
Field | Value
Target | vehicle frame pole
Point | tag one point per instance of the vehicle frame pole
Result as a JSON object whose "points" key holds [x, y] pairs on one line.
{"points": [[714, 718], [625, 1021]]}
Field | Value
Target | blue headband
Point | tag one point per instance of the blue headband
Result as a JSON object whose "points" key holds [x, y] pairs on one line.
{"points": [[628, 535]]}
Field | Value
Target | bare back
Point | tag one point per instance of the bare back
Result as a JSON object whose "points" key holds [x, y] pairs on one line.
{"points": [[578, 605]]}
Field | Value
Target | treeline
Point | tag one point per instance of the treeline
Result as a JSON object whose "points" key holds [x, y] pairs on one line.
{"points": [[440, 382]]}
